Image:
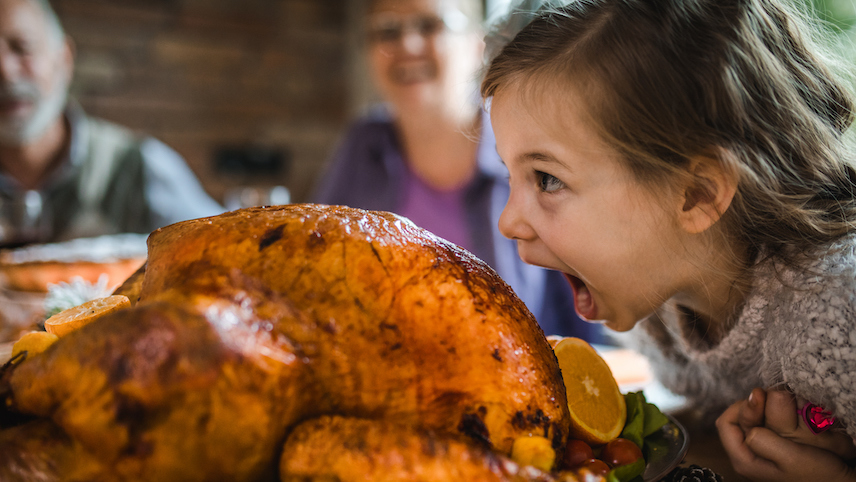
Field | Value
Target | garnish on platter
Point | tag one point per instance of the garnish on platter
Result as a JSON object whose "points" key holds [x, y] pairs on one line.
{"points": [[611, 433], [73, 318], [32, 343]]}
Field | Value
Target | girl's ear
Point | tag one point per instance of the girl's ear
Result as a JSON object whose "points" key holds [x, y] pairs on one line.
{"points": [[708, 194]]}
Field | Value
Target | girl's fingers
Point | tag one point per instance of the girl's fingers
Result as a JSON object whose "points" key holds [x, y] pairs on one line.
{"points": [[767, 444], [733, 441], [838, 443], [791, 460], [781, 415], [752, 412], [766, 440]]}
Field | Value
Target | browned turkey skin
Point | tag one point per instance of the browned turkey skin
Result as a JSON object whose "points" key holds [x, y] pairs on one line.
{"points": [[254, 322]]}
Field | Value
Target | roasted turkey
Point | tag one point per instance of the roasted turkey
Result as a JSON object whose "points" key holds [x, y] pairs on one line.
{"points": [[300, 342]]}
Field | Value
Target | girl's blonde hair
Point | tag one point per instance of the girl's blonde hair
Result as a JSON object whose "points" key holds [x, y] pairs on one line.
{"points": [[740, 81]]}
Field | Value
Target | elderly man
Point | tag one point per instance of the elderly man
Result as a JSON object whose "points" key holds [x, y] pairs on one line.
{"points": [[64, 175]]}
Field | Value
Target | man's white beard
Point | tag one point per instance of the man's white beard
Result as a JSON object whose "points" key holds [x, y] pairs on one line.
{"points": [[18, 132]]}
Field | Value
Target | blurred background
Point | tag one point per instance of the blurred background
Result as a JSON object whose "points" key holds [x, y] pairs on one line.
{"points": [[250, 92]]}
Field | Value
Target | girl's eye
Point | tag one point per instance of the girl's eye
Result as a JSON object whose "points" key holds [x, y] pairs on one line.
{"points": [[548, 183]]}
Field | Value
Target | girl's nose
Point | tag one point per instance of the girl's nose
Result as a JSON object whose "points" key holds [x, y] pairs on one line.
{"points": [[512, 222]]}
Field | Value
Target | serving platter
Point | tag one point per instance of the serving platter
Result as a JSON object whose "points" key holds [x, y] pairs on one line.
{"points": [[670, 446]]}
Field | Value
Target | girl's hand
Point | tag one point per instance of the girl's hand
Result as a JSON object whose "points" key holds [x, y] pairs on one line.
{"points": [[762, 454], [780, 416]]}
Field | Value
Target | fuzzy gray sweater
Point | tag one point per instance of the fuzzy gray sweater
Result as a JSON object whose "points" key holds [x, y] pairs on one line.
{"points": [[797, 329]]}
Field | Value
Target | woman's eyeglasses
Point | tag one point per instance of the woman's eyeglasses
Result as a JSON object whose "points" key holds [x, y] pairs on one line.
{"points": [[388, 28]]}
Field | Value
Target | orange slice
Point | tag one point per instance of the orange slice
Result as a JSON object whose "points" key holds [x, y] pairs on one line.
{"points": [[596, 404], [33, 343], [535, 451], [71, 319]]}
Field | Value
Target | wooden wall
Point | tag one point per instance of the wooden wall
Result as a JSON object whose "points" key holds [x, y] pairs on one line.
{"points": [[205, 74]]}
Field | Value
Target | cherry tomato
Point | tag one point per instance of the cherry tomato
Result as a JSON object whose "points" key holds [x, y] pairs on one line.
{"points": [[593, 466], [577, 452], [620, 452]]}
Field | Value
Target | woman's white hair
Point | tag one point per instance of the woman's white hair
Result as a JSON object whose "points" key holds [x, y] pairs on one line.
{"points": [[505, 24]]}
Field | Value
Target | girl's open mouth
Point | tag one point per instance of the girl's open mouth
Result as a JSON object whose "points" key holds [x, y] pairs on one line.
{"points": [[583, 300]]}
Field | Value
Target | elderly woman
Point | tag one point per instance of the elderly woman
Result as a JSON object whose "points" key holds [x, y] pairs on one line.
{"points": [[428, 152]]}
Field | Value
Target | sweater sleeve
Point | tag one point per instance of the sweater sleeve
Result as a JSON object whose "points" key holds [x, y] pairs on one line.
{"points": [[816, 349]]}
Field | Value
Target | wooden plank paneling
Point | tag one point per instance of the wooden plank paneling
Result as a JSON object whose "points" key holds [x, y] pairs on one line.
{"points": [[199, 74]]}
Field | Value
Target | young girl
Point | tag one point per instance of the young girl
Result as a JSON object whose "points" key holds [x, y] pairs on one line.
{"points": [[685, 163]]}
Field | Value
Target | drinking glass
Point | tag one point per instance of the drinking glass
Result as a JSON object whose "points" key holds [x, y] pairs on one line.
{"points": [[24, 219]]}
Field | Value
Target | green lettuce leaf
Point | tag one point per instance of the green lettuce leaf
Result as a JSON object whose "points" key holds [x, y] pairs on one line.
{"points": [[635, 424], [653, 420], [627, 473]]}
